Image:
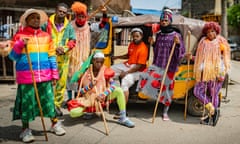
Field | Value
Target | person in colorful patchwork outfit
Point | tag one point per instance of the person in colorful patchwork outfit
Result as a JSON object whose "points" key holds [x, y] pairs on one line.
{"points": [[96, 84], [63, 36], [43, 61], [150, 81], [211, 63], [83, 36]]}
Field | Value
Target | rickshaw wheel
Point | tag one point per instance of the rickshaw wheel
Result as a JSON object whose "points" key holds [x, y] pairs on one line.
{"points": [[195, 107]]}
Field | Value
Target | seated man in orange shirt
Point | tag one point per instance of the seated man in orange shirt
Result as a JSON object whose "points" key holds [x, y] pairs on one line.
{"points": [[137, 57]]}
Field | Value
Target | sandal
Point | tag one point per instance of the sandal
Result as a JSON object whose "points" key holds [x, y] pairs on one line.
{"points": [[128, 123], [117, 115], [165, 117]]}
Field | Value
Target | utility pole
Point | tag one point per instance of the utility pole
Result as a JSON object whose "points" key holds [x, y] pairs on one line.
{"points": [[224, 19]]}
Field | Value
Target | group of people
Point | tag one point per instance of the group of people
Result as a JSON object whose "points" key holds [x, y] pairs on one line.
{"points": [[58, 48]]}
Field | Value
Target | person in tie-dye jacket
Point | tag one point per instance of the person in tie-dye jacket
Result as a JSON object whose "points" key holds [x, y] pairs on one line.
{"points": [[44, 68], [64, 40]]}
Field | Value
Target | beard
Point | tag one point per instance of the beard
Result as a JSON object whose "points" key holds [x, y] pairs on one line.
{"points": [[137, 41]]}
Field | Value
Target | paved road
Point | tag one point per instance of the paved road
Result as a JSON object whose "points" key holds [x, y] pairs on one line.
{"points": [[176, 131]]}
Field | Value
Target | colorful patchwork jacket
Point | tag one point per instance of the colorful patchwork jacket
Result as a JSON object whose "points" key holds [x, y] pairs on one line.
{"points": [[64, 38], [42, 56]]}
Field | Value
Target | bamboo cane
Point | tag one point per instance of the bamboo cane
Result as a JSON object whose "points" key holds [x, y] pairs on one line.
{"points": [[98, 9], [164, 77], [36, 93], [100, 106], [188, 63]]}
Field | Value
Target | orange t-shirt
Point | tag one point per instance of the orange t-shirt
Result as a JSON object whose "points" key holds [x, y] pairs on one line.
{"points": [[138, 54]]}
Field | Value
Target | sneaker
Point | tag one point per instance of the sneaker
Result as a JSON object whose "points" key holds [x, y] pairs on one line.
{"points": [[57, 129], [165, 117], [27, 136], [126, 122]]}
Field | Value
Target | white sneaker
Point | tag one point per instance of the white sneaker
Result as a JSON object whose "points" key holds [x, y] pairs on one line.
{"points": [[27, 136], [57, 129]]}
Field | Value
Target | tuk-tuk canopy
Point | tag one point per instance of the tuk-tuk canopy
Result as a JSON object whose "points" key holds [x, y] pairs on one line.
{"points": [[184, 24]]}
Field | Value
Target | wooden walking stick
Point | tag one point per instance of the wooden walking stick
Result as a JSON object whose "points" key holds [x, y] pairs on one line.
{"points": [[98, 9], [164, 77], [99, 104], [188, 63], [36, 93]]}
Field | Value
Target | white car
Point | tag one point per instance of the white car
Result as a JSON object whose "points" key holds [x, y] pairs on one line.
{"points": [[235, 50]]}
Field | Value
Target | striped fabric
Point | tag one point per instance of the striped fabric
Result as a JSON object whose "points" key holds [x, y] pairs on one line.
{"points": [[42, 55]]}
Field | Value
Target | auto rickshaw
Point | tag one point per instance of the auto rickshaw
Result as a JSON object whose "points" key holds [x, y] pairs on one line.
{"points": [[119, 38]]}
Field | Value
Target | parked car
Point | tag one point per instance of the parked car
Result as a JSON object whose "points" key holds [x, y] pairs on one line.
{"points": [[235, 50]]}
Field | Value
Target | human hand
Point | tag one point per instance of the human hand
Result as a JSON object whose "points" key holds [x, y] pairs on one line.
{"points": [[54, 82], [176, 39], [123, 74], [71, 44], [59, 51], [94, 81], [103, 9], [151, 40], [114, 57], [25, 40], [188, 56], [101, 98]]}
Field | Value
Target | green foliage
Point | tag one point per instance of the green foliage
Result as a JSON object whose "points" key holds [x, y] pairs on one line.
{"points": [[233, 15]]}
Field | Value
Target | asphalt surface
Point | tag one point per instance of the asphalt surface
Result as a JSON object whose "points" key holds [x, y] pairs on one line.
{"points": [[175, 131]]}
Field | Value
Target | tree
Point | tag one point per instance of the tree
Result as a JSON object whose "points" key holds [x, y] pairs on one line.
{"points": [[234, 16]]}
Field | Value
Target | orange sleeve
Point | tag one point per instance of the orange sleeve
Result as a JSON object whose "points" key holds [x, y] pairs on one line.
{"points": [[142, 54]]}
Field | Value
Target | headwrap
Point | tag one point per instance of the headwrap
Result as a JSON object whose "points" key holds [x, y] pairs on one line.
{"points": [[166, 15], [79, 9]]}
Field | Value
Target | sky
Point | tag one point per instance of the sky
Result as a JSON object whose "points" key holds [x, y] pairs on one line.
{"points": [[156, 4]]}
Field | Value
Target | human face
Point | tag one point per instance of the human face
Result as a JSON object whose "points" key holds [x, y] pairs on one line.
{"points": [[211, 34], [33, 20], [61, 12], [97, 63], [137, 37], [164, 22], [81, 19]]}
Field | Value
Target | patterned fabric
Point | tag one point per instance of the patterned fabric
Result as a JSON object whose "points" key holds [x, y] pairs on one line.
{"points": [[208, 92], [162, 49], [60, 38], [150, 84], [26, 107], [88, 100], [80, 53], [209, 56], [42, 55], [82, 50], [62, 82], [104, 37]]}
